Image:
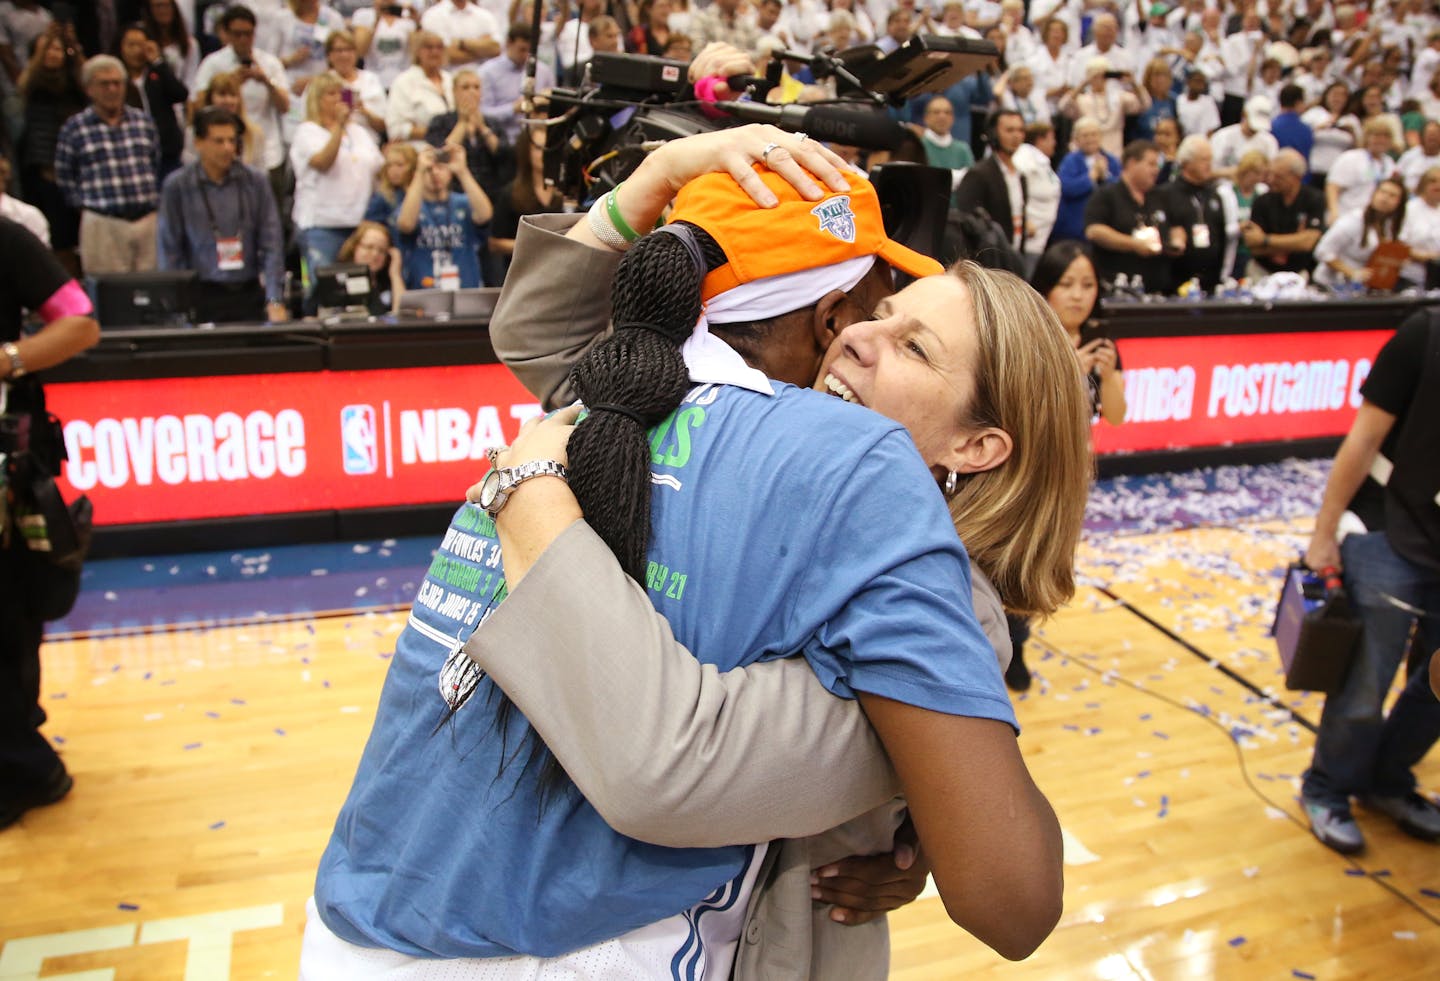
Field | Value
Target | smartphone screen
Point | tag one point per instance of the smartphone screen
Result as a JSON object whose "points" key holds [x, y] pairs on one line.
{"points": [[347, 97]]}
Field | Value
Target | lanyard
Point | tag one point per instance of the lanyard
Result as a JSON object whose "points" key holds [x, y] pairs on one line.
{"points": [[210, 212]]}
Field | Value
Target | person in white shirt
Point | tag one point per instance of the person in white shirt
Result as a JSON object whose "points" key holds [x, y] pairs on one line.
{"points": [[1343, 252], [422, 91], [1067, 12], [27, 215], [1314, 75], [1150, 33], [1230, 143], [1106, 100], [1050, 62], [1042, 191], [864, 26], [297, 36], [1424, 69], [1020, 41], [1335, 130], [1421, 230], [1243, 52], [335, 160], [802, 23], [363, 90], [1015, 90], [265, 91], [1415, 162], [471, 33], [1355, 173], [573, 44], [382, 38], [1105, 29]]}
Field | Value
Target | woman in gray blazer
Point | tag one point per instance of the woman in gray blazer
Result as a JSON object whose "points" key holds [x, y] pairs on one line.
{"points": [[682, 763]]}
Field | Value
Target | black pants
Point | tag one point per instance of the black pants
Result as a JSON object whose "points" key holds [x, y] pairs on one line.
{"points": [[229, 303], [26, 759]]}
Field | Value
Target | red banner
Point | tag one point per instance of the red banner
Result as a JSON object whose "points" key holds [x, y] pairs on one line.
{"points": [[173, 449], [1188, 392], [177, 449]]}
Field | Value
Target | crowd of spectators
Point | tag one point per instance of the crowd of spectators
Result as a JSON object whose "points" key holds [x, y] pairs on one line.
{"points": [[1200, 144], [1187, 144]]}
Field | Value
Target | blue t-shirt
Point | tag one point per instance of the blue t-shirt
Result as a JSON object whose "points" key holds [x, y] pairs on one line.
{"points": [[1292, 133], [784, 524], [445, 232], [1150, 117]]}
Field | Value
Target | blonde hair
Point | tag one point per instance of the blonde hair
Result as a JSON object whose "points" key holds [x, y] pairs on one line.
{"points": [[1021, 521], [320, 86], [418, 38], [1378, 124], [1251, 160], [407, 153], [1431, 175]]}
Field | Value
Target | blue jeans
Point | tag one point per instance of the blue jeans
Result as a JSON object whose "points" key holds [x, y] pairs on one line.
{"points": [[319, 247], [1360, 751]]}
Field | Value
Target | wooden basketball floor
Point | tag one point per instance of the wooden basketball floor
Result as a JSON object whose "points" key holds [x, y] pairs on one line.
{"points": [[209, 766]]}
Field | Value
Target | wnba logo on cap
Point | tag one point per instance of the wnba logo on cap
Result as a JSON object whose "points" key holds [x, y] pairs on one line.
{"points": [[836, 217], [357, 439]]}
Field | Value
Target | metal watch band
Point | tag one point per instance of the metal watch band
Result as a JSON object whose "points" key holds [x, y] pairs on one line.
{"points": [[511, 477], [17, 366]]}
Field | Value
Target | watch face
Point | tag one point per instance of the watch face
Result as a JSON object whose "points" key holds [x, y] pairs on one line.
{"points": [[489, 488]]}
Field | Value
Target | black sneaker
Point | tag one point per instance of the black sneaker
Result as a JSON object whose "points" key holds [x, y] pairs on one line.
{"points": [[1417, 816], [54, 789]]}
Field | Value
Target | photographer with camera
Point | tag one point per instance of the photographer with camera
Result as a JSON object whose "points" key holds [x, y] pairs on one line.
{"points": [[31, 773], [440, 237]]}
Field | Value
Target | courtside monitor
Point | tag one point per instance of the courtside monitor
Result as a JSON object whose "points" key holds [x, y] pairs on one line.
{"points": [[343, 288], [159, 298]]}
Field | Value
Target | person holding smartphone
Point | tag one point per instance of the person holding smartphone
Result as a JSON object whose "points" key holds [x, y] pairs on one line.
{"points": [[363, 92], [1107, 95], [335, 160]]}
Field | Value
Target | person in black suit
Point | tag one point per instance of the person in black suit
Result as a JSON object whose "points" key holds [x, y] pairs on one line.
{"points": [[995, 183], [154, 89]]}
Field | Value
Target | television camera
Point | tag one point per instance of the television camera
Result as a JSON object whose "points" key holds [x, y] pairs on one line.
{"points": [[628, 105]]}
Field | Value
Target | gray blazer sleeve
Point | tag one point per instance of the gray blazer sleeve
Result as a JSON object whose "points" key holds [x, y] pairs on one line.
{"points": [[554, 307], [667, 749]]}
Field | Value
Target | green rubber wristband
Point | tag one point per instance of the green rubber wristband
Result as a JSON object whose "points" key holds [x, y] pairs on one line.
{"points": [[612, 209]]}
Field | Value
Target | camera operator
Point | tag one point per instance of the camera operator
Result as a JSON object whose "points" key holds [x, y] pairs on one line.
{"points": [[31, 773]]}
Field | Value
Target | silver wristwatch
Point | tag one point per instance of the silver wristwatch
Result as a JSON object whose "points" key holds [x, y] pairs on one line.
{"points": [[499, 484], [17, 367]]}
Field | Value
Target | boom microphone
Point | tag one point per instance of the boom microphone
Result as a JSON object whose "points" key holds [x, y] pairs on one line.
{"points": [[867, 128]]}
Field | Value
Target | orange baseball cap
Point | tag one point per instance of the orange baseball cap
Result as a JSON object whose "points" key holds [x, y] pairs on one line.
{"points": [[793, 236]]}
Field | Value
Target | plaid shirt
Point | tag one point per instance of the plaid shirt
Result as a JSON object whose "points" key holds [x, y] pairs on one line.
{"points": [[109, 169]]}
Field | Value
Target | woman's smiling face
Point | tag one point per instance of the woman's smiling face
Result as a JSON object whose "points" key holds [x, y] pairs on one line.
{"points": [[914, 363]]}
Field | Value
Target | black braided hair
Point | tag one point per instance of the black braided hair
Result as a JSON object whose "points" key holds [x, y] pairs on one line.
{"points": [[655, 301], [637, 378]]}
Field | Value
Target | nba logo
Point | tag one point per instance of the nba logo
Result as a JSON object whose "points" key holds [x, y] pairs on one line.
{"points": [[357, 439]]}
